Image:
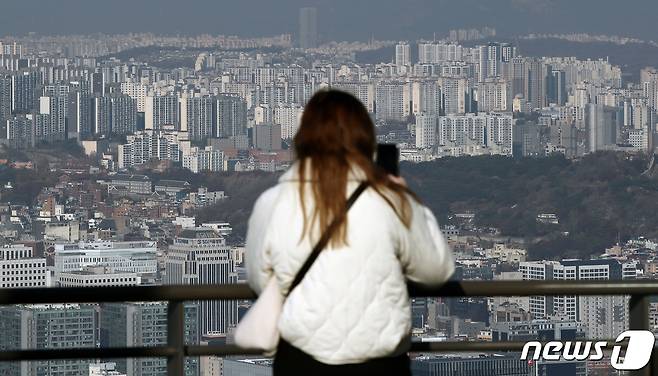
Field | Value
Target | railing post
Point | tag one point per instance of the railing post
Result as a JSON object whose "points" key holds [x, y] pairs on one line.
{"points": [[176, 338], [639, 320]]}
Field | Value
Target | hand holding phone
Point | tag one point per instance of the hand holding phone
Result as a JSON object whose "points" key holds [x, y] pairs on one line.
{"points": [[388, 157]]}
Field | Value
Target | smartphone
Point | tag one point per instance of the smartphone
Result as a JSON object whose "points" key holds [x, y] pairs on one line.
{"points": [[388, 157]]}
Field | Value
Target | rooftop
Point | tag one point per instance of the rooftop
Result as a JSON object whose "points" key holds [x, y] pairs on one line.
{"points": [[199, 233], [126, 177], [172, 183]]}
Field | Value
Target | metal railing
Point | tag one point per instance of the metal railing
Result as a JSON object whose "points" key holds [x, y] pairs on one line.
{"points": [[176, 350]]}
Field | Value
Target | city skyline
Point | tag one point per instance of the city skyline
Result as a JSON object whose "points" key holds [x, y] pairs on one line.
{"points": [[339, 20], [131, 154]]}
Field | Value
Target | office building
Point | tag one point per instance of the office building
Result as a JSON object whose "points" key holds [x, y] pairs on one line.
{"points": [[130, 184], [507, 364], [104, 369], [145, 324], [252, 367], [537, 330], [116, 257], [601, 316], [544, 330], [91, 276], [20, 268], [200, 256], [52, 326]]}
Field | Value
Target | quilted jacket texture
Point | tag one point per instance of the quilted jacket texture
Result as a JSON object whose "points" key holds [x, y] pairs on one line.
{"points": [[352, 305]]}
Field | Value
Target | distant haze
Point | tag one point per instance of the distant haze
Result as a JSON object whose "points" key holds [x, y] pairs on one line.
{"points": [[338, 19]]}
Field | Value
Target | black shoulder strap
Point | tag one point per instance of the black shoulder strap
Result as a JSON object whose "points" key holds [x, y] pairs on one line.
{"points": [[324, 239]]}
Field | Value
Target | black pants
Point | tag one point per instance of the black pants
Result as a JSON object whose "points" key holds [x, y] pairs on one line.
{"points": [[290, 360]]}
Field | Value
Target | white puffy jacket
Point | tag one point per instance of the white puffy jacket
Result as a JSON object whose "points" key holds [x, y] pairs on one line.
{"points": [[352, 305]]}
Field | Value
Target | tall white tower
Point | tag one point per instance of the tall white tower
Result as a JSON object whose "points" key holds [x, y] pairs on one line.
{"points": [[402, 54]]}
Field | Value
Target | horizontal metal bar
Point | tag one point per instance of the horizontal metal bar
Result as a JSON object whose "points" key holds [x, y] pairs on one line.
{"points": [[531, 288], [242, 291], [415, 347], [229, 350], [87, 353], [108, 294]]}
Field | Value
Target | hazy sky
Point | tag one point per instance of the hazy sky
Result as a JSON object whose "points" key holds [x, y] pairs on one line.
{"points": [[339, 19]]}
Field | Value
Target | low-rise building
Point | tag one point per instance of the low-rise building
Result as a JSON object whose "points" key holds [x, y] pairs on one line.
{"points": [[130, 184], [172, 188], [138, 257], [97, 276]]}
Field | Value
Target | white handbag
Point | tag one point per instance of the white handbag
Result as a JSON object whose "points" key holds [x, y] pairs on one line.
{"points": [[259, 328]]}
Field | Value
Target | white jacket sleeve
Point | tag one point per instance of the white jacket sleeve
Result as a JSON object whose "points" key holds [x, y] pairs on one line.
{"points": [[257, 248], [425, 255]]}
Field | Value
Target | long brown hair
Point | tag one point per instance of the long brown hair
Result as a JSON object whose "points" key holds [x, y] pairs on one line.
{"points": [[336, 134]]}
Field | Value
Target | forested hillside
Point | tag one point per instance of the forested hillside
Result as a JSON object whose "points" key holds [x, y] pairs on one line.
{"points": [[597, 199]]}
